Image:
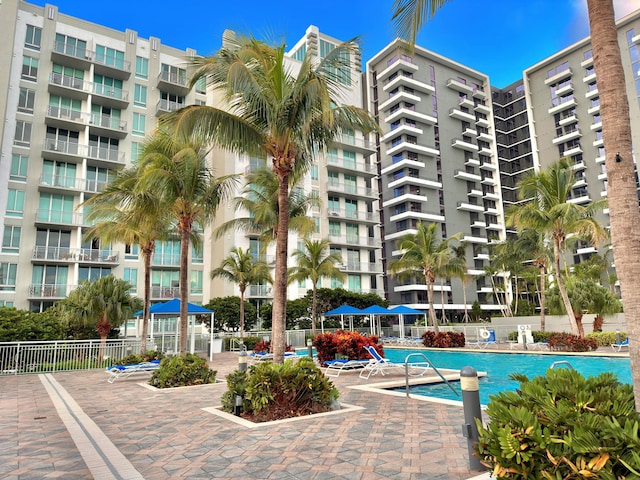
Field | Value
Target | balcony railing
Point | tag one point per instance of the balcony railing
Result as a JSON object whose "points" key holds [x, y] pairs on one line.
{"points": [[72, 50], [48, 290], [174, 77], [66, 254], [60, 217], [101, 153], [164, 292], [63, 146], [167, 259], [259, 291], [69, 82], [108, 121], [62, 181]]}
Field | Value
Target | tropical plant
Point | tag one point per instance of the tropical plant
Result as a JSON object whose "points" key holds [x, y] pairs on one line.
{"points": [[314, 262], [175, 167], [23, 325], [561, 425], [259, 197], [424, 255], [622, 192], [347, 343], [227, 313], [550, 211], [104, 303], [241, 268], [123, 213], [460, 252], [274, 113], [182, 371]]}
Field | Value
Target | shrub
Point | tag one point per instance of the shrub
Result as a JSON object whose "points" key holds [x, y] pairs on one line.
{"points": [[346, 343], [537, 336], [571, 343], [181, 371], [604, 339], [443, 339], [249, 342], [134, 358], [276, 391], [264, 346], [562, 425]]}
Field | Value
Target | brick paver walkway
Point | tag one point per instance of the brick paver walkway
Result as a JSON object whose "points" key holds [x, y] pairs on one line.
{"points": [[167, 434]]}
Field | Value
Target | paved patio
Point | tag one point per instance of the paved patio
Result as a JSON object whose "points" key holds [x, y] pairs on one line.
{"points": [[77, 426]]}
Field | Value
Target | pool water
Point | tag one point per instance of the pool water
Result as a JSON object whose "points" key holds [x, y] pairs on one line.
{"points": [[500, 365]]}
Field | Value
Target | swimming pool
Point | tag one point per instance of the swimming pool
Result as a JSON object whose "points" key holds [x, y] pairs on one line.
{"points": [[500, 365]]}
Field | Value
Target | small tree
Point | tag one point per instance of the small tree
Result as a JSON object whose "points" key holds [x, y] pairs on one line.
{"points": [[227, 312]]}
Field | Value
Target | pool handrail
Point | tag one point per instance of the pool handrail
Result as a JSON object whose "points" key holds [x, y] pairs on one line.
{"points": [[429, 364], [561, 362]]}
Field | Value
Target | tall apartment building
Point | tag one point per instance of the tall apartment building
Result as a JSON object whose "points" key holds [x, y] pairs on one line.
{"points": [[563, 106], [437, 163], [343, 178], [78, 99]]}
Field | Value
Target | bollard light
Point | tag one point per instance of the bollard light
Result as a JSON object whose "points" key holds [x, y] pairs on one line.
{"points": [[618, 337], [310, 347], [471, 406], [238, 406], [242, 360]]}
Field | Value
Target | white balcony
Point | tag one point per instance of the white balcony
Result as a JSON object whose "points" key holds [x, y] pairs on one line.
{"points": [[463, 145], [407, 113], [572, 151], [567, 136], [462, 175], [469, 207], [410, 82], [568, 120], [399, 131], [399, 97], [405, 162], [407, 197], [460, 115], [458, 86], [395, 65], [563, 106], [559, 76], [413, 147]]}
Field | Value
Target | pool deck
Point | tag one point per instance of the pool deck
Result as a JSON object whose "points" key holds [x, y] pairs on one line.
{"points": [[78, 426]]}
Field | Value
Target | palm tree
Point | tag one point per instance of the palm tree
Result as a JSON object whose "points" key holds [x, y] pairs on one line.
{"points": [[624, 215], [240, 267], [460, 252], [175, 167], [314, 262], [424, 255], [124, 214], [259, 197], [273, 113], [550, 211], [105, 303]]}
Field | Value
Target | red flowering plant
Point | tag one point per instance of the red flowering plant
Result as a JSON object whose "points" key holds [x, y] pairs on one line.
{"points": [[264, 346], [350, 345], [443, 339]]}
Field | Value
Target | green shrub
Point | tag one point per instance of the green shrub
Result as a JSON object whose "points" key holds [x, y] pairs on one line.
{"points": [[537, 336], [181, 371], [276, 391], [605, 339], [250, 342], [134, 358], [562, 426]]}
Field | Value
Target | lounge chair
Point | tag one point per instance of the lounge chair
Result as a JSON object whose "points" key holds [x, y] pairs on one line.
{"points": [[265, 357], [619, 346], [487, 337], [381, 365], [336, 367], [119, 371]]}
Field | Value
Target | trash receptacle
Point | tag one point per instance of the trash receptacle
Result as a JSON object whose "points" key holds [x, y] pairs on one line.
{"points": [[217, 345]]}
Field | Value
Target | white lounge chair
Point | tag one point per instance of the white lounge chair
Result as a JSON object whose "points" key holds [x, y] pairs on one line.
{"points": [[336, 367], [119, 371], [619, 346], [487, 337], [381, 365]]}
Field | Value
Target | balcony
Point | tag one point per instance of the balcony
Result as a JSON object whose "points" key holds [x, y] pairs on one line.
{"points": [[562, 106], [472, 239], [572, 150], [105, 157], [166, 260], [413, 214], [413, 181], [351, 215], [398, 97], [48, 254], [462, 116], [409, 129], [49, 291], [94, 255], [482, 108], [259, 291], [575, 133], [469, 207], [409, 82], [592, 93], [48, 217], [355, 240], [413, 147], [566, 73], [110, 96], [65, 118], [68, 86], [108, 126], [405, 197], [173, 82], [56, 183], [568, 120], [464, 145], [348, 165], [412, 114], [402, 163], [63, 150], [112, 66], [71, 55], [164, 293], [352, 190], [352, 143], [166, 106], [458, 86], [361, 267], [462, 175], [395, 65]]}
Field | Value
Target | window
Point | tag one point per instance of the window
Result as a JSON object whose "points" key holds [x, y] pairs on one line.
{"points": [[140, 95], [171, 102], [349, 159], [70, 46], [352, 233], [26, 99], [93, 273], [136, 150], [104, 148], [67, 76], [29, 68], [201, 85], [97, 178], [60, 174], [19, 165], [110, 56], [105, 116], [8, 276], [139, 121], [33, 37], [172, 74], [15, 203], [108, 87], [333, 179], [142, 67], [196, 282], [354, 283], [131, 276], [55, 208], [314, 172], [131, 252], [61, 107], [334, 228], [11, 239], [22, 137], [197, 254]]}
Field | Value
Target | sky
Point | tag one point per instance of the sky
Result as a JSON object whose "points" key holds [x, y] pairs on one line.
{"points": [[499, 38]]}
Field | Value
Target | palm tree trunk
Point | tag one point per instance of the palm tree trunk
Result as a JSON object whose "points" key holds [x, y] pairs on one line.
{"points": [[543, 282], [242, 312], [146, 257], [579, 323], [563, 290], [432, 310], [278, 319], [184, 289], [624, 215], [314, 304], [464, 300]]}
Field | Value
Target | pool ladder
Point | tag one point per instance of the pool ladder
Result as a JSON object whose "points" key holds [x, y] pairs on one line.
{"points": [[429, 363], [561, 362]]}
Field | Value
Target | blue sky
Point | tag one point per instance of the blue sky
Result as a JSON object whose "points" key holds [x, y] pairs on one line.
{"points": [[498, 37]]}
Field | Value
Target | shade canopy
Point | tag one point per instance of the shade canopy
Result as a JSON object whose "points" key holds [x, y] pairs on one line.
{"points": [[402, 310], [375, 310], [344, 310], [172, 307]]}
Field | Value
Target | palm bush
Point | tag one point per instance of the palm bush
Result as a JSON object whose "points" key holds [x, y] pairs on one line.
{"points": [[562, 426], [181, 371]]}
